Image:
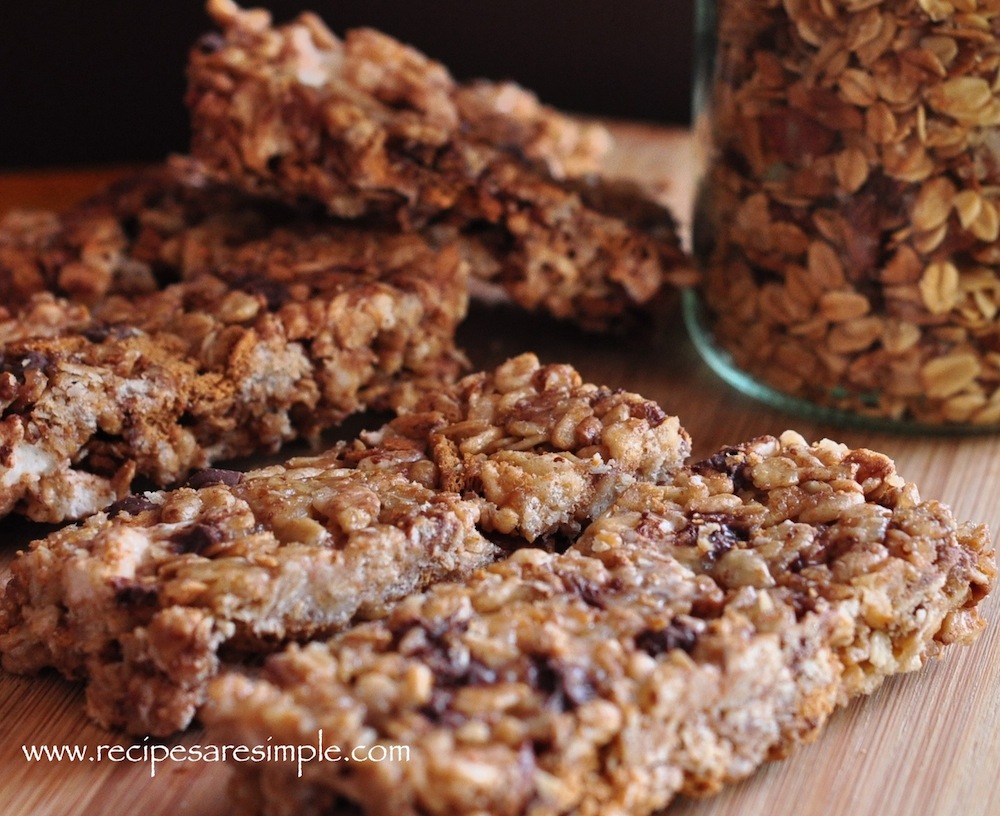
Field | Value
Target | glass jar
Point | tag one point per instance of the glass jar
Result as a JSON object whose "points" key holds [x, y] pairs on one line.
{"points": [[848, 206]]}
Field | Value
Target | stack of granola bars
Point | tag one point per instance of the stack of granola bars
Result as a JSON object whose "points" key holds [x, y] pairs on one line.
{"points": [[521, 576]]}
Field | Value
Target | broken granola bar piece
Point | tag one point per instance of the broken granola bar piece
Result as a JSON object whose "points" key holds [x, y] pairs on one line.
{"points": [[367, 125], [542, 450], [696, 630], [146, 600], [272, 329], [824, 523]]}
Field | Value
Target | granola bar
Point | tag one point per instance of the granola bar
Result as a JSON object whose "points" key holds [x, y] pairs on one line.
{"points": [[696, 630], [543, 451], [25, 236], [216, 334], [139, 600], [595, 251], [374, 91], [513, 118], [367, 125], [148, 229]]}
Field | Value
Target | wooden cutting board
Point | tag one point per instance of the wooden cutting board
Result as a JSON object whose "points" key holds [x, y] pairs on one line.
{"points": [[926, 744]]}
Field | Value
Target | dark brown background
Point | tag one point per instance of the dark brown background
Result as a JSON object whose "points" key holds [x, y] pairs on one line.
{"points": [[103, 82]]}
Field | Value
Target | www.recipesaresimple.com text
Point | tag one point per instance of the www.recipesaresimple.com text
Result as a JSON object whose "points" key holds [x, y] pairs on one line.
{"points": [[153, 753]]}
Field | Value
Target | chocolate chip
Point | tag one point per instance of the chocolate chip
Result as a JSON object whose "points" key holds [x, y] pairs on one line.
{"points": [[723, 538], [590, 593], [214, 476], [196, 539], [724, 461], [18, 364], [652, 413], [450, 674], [730, 462], [435, 643], [34, 360], [448, 664], [99, 332], [133, 504], [565, 685], [438, 709], [131, 226], [723, 532], [347, 807], [135, 595], [824, 549], [274, 292], [676, 635]]}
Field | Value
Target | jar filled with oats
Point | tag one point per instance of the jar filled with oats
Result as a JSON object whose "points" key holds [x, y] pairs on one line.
{"points": [[846, 221]]}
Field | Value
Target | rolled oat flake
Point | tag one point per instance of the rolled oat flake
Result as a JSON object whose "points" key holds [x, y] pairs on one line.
{"points": [[848, 207]]}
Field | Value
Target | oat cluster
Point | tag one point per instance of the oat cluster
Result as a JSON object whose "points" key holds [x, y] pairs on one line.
{"points": [[848, 218]]}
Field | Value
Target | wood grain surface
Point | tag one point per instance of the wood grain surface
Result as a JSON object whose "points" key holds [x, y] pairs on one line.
{"points": [[926, 744]]}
